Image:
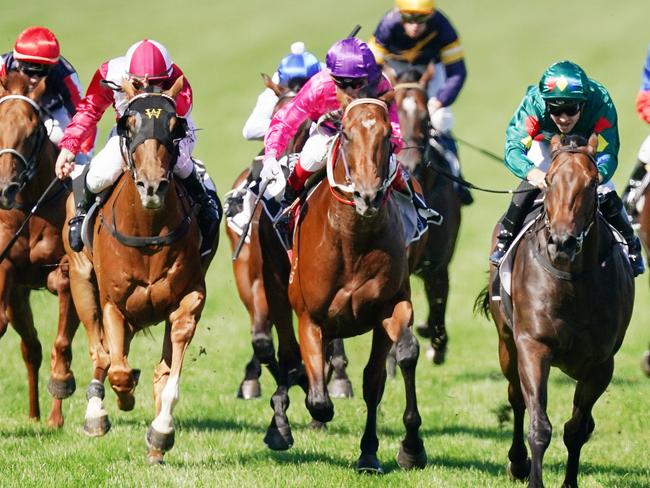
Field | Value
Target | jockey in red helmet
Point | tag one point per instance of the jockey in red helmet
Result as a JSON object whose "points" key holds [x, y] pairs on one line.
{"points": [[37, 55], [146, 62]]}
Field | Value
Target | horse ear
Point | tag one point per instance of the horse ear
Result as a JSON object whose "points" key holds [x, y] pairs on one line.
{"points": [[176, 87], [271, 85], [593, 144], [556, 142], [427, 75], [38, 90], [388, 97], [129, 89]]}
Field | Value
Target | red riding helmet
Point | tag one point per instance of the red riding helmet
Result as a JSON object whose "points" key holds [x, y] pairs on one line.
{"points": [[149, 58], [37, 45]]}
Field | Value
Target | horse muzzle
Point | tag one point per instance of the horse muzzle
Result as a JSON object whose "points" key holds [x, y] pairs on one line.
{"points": [[8, 193], [562, 247], [367, 203], [152, 193]]}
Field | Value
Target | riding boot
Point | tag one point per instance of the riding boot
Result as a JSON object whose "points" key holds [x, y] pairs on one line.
{"points": [[83, 200], [295, 184], [611, 206], [632, 191], [209, 215], [512, 220]]}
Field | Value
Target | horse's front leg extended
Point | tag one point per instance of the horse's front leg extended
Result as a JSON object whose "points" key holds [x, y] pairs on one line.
{"points": [[312, 349], [123, 379], [160, 436], [534, 364]]}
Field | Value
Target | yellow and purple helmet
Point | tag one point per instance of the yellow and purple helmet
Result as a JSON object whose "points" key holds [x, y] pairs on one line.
{"points": [[416, 6], [564, 82]]}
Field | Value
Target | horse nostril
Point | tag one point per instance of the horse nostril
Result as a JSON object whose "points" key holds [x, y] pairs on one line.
{"points": [[162, 186]]}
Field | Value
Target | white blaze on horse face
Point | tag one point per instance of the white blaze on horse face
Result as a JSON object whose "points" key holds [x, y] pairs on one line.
{"points": [[368, 123], [164, 422], [410, 106]]}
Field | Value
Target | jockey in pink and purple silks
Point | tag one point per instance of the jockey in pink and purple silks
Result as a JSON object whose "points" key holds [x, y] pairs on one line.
{"points": [[351, 68]]}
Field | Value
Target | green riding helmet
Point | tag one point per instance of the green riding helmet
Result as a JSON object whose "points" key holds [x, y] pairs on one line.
{"points": [[564, 82]]}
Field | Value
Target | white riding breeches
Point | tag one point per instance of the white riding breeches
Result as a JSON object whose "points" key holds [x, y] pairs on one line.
{"points": [[109, 163], [540, 155], [312, 156], [644, 151], [56, 124]]}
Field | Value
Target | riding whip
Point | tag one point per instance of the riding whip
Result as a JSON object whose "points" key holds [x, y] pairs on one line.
{"points": [[244, 233]]}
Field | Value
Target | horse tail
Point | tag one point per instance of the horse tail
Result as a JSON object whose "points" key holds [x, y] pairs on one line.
{"points": [[482, 303]]}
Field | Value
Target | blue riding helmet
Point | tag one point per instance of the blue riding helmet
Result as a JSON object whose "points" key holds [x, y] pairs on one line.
{"points": [[299, 64]]}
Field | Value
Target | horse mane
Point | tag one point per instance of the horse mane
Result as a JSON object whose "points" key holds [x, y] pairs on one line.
{"points": [[16, 82]]}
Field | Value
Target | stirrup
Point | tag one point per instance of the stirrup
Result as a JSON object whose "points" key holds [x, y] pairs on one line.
{"points": [[74, 232]]}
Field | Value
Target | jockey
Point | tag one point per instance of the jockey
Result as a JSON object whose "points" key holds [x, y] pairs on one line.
{"points": [[293, 72], [565, 101], [146, 62], [634, 190], [410, 37], [37, 55], [351, 68]]}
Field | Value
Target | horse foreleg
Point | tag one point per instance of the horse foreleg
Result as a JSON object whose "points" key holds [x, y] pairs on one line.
{"points": [[160, 436], [21, 318], [436, 285], [122, 378], [533, 364], [312, 349], [338, 380], [579, 428]]}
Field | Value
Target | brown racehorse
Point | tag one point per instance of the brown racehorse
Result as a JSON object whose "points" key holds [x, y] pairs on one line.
{"points": [[145, 255], [349, 275], [572, 299], [644, 235], [432, 264], [36, 259]]}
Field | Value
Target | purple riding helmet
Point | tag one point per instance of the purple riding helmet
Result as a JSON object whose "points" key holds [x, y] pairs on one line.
{"points": [[352, 58]]}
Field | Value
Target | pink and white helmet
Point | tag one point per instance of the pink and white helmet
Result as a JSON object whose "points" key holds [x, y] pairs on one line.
{"points": [[149, 58]]}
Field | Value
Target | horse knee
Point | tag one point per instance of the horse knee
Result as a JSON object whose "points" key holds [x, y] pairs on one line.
{"points": [[320, 406], [407, 350], [121, 380], [263, 348], [539, 434]]}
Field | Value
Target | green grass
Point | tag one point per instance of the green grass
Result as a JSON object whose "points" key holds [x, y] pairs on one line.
{"points": [[222, 46]]}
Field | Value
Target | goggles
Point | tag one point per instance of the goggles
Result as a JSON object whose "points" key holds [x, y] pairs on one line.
{"points": [[569, 109], [415, 18], [33, 69], [354, 83]]}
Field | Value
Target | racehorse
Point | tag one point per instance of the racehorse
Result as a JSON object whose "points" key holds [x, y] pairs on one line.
{"points": [[644, 235], [423, 162], [349, 275], [36, 259], [146, 263], [572, 299], [250, 275]]}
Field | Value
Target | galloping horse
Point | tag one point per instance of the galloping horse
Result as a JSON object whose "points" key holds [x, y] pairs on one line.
{"points": [[147, 267], [349, 275], [572, 299], [36, 259], [432, 264], [644, 235]]}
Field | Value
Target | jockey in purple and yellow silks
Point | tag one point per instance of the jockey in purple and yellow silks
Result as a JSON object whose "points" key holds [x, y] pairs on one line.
{"points": [[638, 180], [351, 67], [412, 36], [565, 101]]}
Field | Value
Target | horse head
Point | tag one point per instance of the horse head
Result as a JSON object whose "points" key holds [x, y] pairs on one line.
{"points": [[365, 150], [411, 100], [151, 131], [570, 198], [22, 134]]}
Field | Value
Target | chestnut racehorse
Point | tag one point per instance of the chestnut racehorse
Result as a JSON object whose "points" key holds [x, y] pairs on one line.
{"points": [[349, 276], [36, 259], [432, 265], [644, 235], [572, 299], [146, 263]]}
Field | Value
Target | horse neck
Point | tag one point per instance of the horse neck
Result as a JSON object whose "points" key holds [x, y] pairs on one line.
{"points": [[44, 173]]}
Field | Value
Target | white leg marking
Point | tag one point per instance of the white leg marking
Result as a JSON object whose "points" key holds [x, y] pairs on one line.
{"points": [[164, 423]]}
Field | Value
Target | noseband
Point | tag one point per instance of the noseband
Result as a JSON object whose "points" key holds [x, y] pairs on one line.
{"points": [[349, 186], [30, 163]]}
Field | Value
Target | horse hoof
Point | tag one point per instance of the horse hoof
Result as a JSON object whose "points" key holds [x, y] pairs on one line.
{"points": [[317, 425], [438, 357], [97, 426], [278, 439], [368, 463], [518, 472], [645, 363], [126, 402], [407, 460], [423, 330], [155, 458], [340, 388], [157, 441], [249, 389], [62, 389]]}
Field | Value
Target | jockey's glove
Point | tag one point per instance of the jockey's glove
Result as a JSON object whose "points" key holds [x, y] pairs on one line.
{"points": [[270, 169]]}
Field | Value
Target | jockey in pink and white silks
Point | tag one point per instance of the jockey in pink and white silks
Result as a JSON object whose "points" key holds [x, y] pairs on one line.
{"points": [[351, 67], [37, 55], [146, 62]]}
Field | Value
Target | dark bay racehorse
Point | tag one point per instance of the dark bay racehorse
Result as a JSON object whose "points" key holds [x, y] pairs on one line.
{"points": [[431, 265], [572, 298], [644, 235], [349, 276], [146, 263], [36, 259]]}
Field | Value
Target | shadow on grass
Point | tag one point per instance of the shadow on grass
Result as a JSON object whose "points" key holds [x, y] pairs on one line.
{"points": [[28, 431]]}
